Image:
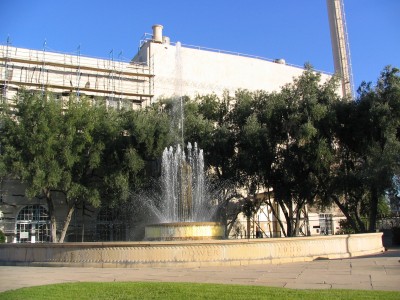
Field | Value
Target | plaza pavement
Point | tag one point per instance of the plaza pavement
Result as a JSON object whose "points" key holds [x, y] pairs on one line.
{"points": [[374, 272]]}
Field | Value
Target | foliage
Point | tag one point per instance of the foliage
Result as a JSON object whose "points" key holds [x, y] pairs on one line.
{"points": [[219, 140], [30, 143], [302, 142], [283, 143], [2, 237], [92, 155], [367, 157], [207, 121], [346, 227]]}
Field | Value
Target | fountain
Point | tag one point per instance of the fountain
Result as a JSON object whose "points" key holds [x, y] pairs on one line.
{"points": [[183, 210]]}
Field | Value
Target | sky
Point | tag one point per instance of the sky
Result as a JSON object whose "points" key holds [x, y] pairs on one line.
{"points": [[296, 30]]}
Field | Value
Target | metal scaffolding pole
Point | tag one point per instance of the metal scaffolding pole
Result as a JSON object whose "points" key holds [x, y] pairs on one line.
{"points": [[78, 71]]}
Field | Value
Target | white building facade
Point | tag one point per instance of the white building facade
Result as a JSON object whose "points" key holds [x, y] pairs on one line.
{"points": [[189, 70], [160, 69]]}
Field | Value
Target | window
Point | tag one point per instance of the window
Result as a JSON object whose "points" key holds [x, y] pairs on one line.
{"points": [[32, 225], [326, 224], [109, 226]]}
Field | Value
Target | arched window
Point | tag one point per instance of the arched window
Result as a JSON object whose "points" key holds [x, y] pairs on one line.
{"points": [[32, 225]]}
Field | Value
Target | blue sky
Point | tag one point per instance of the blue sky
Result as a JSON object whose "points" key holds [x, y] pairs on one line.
{"points": [[296, 30]]}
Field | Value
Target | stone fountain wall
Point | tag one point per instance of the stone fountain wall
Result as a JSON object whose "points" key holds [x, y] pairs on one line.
{"points": [[191, 253]]}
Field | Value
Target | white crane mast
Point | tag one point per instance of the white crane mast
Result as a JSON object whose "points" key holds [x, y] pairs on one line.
{"points": [[340, 45]]}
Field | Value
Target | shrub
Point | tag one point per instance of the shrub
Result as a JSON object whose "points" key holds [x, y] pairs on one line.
{"points": [[345, 227], [2, 237]]}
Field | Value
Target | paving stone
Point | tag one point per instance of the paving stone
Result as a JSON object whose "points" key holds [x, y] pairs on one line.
{"points": [[375, 272]]}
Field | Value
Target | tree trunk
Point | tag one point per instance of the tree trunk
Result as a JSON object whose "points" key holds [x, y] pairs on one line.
{"points": [[373, 210], [298, 217], [360, 223], [66, 224], [229, 226], [227, 220], [277, 216], [51, 210], [346, 213], [248, 226], [287, 217], [307, 221], [289, 220]]}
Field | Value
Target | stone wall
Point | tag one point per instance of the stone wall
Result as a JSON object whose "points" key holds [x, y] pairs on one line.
{"points": [[191, 253]]}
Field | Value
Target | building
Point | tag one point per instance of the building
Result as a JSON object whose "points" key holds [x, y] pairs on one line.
{"points": [[121, 84], [189, 70], [161, 69]]}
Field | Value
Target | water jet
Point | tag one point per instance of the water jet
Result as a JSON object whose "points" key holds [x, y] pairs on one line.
{"points": [[184, 209]]}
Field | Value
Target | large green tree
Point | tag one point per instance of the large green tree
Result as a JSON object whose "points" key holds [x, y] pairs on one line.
{"points": [[84, 131], [284, 144], [50, 146], [30, 141], [382, 144], [90, 154], [368, 138]]}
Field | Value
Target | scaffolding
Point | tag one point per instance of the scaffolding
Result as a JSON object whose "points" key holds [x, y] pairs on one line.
{"points": [[122, 84]]}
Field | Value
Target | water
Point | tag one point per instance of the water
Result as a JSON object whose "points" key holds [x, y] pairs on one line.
{"points": [[177, 120], [183, 185], [184, 195]]}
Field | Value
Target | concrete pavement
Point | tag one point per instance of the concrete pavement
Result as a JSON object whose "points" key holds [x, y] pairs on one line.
{"points": [[374, 272]]}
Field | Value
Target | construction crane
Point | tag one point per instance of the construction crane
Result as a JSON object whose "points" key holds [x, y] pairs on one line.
{"points": [[340, 46]]}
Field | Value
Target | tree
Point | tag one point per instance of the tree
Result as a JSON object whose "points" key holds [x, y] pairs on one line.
{"points": [[382, 144], [146, 134], [283, 143], [90, 154], [49, 145], [29, 141], [207, 121], [80, 154], [366, 152]]}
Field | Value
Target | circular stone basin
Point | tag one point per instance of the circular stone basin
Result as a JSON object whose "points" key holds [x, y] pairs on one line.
{"points": [[184, 231]]}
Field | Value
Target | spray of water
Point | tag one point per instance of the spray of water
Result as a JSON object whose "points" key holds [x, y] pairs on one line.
{"points": [[183, 184], [183, 196]]}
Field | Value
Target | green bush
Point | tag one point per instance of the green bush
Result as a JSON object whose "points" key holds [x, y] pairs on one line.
{"points": [[345, 227], [2, 237]]}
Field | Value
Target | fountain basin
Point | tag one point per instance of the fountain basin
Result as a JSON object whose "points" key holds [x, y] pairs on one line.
{"points": [[184, 231], [190, 253]]}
